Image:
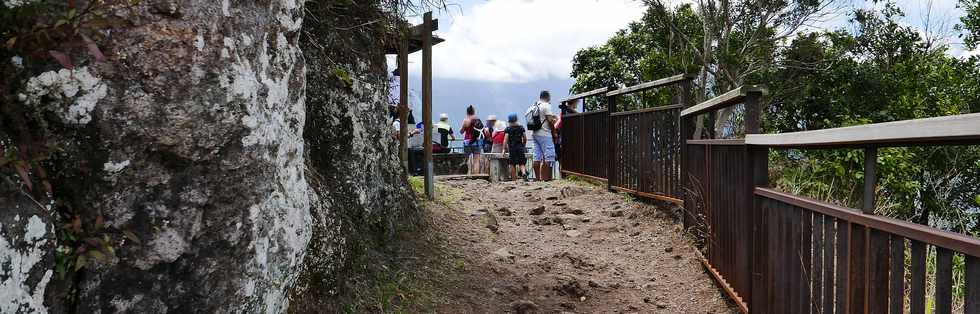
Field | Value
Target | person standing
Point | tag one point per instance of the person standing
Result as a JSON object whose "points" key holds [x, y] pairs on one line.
{"points": [[488, 133], [541, 121], [566, 108], [498, 137], [471, 128], [445, 132], [515, 139]]}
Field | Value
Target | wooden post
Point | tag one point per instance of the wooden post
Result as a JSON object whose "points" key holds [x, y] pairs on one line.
{"points": [[611, 142], [686, 133], [403, 99], [758, 170], [870, 163], [427, 102], [874, 249], [753, 112]]}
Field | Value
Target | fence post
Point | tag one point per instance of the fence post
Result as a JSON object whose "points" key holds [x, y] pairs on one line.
{"points": [[427, 28], [757, 158], [686, 133], [611, 141]]}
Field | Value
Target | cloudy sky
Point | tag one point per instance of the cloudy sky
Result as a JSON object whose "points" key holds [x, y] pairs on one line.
{"points": [[499, 53]]}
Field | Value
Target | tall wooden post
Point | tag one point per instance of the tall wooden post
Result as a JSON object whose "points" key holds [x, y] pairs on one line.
{"points": [[686, 133], [611, 141], [757, 158], [870, 161], [427, 102], [403, 99]]}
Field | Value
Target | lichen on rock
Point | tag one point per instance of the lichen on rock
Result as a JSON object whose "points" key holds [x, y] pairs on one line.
{"points": [[72, 94], [26, 253]]}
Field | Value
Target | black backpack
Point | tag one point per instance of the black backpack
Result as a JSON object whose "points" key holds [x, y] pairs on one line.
{"points": [[476, 128], [533, 117]]}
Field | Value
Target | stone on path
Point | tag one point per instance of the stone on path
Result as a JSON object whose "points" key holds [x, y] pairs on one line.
{"points": [[536, 211], [503, 255]]}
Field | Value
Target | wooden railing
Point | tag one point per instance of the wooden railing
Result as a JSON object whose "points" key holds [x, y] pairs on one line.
{"points": [[637, 152], [823, 257], [775, 252]]}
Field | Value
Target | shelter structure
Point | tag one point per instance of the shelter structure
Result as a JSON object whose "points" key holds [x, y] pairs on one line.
{"points": [[412, 39]]}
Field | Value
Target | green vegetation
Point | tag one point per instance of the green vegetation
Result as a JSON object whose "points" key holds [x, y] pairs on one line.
{"points": [[878, 69], [445, 195]]}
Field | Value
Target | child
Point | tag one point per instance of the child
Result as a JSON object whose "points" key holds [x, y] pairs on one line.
{"points": [[498, 137], [515, 141]]}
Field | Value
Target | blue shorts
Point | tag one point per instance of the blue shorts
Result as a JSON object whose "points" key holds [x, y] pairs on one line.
{"points": [[472, 147], [544, 148]]}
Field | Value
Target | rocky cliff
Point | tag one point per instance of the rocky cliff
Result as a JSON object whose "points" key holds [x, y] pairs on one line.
{"points": [[208, 164], [362, 192]]}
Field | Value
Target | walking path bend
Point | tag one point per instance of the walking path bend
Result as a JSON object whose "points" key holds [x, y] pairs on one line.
{"points": [[564, 247]]}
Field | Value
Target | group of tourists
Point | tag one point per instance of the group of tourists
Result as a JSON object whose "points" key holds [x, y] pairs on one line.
{"points": [[493, 136], [510, 138]]}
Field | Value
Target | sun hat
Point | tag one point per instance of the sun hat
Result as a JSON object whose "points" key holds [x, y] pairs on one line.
{"points": [[491, 117], [500, 126]]}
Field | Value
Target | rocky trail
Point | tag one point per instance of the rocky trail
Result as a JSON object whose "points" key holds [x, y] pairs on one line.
{"points": [[561, 247]]}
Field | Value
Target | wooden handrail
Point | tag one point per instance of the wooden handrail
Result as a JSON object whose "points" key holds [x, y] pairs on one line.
{"points": [[577, 114], [594, 92], [717, 142], [954, 241], [645, 110], [946, 130], [731, 98], [652, 84]]}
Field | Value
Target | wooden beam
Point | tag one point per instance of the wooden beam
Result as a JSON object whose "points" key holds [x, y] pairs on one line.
{"points": [[963, 128], [585, 113], [954, 241], [403, 102], [720, 280], [732, 97], [611, 142], [594, 92], [638, 111], [650, 195], [653, 84], [716, 142], [427, 102], [413, 34], [870, 164], [572, 173]]}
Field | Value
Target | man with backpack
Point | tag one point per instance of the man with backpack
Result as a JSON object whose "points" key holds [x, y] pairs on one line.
{"points": [[471, 129], [541, 121]]}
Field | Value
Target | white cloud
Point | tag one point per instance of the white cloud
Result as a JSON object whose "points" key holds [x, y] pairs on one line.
{"points": [[524, 40], [967, 54]]}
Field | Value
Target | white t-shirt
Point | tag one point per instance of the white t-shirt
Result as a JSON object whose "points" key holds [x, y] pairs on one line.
{"points": [[544, 112]]}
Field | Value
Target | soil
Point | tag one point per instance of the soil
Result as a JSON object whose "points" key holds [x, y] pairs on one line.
{"points": [[560, 247]]}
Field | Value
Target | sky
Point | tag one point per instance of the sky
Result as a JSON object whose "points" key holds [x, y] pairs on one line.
{"points": [[499, 54]]}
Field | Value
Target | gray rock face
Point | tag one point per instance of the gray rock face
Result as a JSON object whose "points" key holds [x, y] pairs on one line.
{"points": [[190, 137], [26, 252], [362, 195], [202, 129], [228, 180]]}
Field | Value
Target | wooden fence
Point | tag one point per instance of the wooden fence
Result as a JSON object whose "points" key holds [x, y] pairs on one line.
{"points": [[640, 148], [774, 252]]}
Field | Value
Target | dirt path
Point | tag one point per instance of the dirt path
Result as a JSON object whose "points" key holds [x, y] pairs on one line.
{"points": [[563, 247]]}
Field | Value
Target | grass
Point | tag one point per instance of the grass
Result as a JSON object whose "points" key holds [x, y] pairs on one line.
{"points": [[395, 291], [445, 195]]}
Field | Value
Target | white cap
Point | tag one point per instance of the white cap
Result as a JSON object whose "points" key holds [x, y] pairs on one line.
{"points": [[500, 126], [491, 117], [443, 116]]}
